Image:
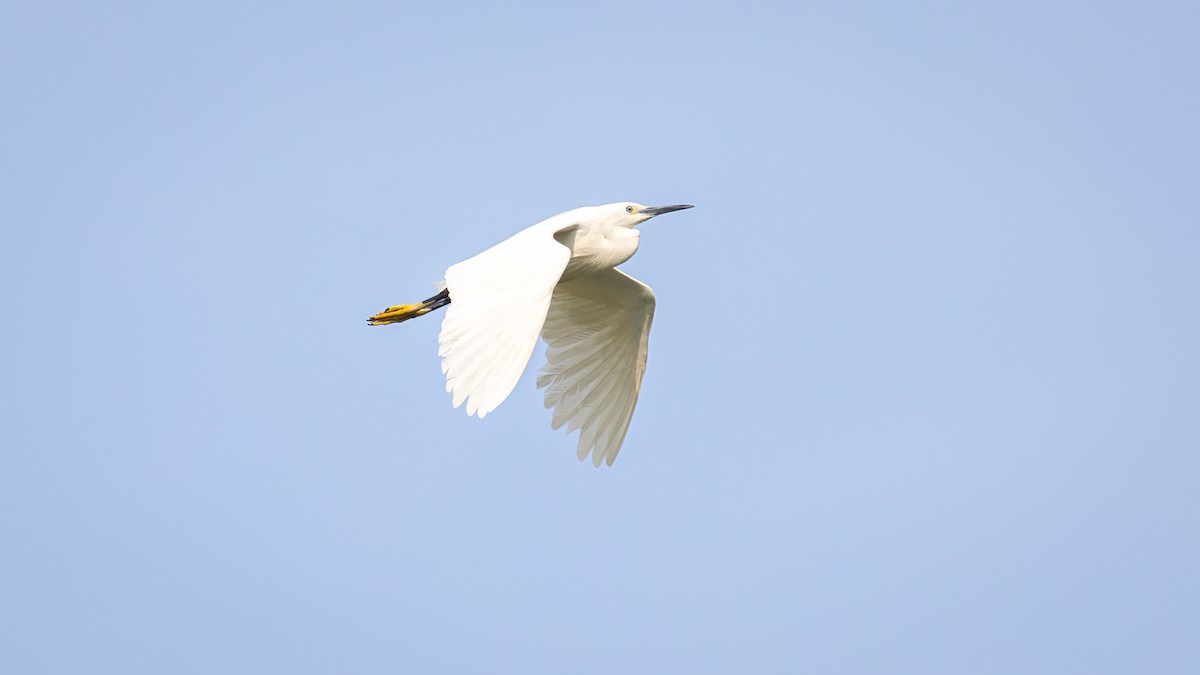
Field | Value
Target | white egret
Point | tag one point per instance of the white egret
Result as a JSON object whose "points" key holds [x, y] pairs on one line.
{"points": [[558, 279]]}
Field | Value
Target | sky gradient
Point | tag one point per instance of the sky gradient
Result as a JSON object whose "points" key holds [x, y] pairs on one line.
{"points": [[923, 384]]}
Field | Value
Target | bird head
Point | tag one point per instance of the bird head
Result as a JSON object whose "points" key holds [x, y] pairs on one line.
{"points": [[630, 214]]}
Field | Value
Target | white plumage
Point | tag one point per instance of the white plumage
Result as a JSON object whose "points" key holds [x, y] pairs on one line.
{"points": [[555, 279], [596, 335]]}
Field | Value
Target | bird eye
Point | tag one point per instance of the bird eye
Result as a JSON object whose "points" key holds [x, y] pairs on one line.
{"points": [[628, 209]]}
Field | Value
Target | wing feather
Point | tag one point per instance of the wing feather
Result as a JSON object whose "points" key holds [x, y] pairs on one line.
{"points": [[499, 301], [596, 332]]}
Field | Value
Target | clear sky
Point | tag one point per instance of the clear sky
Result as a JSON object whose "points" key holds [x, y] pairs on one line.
{"points": [[923, 393]]}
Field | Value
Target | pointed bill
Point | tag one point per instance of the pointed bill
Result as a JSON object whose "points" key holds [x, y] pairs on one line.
{"points": [[659, 210]]}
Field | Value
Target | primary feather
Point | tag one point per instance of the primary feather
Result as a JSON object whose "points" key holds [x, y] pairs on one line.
{"points": [[596, 337], [499, 300]]}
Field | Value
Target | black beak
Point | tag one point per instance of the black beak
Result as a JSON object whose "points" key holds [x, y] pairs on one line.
{"points": [[659, 210]]}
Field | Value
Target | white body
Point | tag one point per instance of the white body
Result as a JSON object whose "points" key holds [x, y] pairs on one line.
{"points": [[555, 279]]}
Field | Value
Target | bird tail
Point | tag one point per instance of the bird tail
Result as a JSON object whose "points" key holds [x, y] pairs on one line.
{"points": [[398, 313]]}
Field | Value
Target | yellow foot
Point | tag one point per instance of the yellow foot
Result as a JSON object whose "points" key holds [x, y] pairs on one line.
{"points": [[398, 313]]}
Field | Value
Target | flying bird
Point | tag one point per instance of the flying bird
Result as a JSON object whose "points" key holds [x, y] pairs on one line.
{"points": [[557, 278]]}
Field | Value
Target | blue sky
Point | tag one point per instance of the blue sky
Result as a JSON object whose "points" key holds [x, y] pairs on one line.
{"points": [[923, 383]]}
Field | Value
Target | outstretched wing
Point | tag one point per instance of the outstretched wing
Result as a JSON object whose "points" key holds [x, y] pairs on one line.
{"points": [[499, 300], [596, 335]]}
